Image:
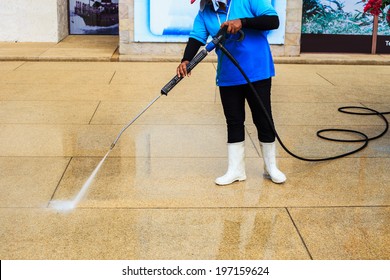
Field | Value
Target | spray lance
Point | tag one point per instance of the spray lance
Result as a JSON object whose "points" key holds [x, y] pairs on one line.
{"points": [[217, 40], [69, 205]]}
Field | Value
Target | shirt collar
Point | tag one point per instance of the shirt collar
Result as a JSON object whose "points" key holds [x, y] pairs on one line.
{"points": [[215, 4]]}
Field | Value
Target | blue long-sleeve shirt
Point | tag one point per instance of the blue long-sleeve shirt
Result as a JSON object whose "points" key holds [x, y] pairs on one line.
{"points": [[253, 53]]}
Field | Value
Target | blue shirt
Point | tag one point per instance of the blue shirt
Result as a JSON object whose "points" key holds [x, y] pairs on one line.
{"points": [[253, 53]]}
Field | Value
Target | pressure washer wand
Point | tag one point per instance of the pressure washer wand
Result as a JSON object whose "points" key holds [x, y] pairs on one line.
{"points": [[164, 91], [175, 80], [133, 120], [198, 58]]}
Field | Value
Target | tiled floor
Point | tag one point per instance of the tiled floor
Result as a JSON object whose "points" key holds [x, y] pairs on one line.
{"points": [[155, 197], [72, 48]]}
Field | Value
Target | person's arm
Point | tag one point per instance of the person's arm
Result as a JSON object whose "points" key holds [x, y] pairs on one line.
{"points": [[258, 23], [190, 51], [261, 22]]}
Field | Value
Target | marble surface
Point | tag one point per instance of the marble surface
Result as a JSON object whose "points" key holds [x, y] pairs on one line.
{"points": [[154, 196]]}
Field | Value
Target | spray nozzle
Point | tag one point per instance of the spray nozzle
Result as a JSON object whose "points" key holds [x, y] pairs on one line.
{"points": [[217, 39], [221, 36]]}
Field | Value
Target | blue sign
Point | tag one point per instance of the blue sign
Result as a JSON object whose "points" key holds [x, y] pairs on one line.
{"points": [[172, 20]]}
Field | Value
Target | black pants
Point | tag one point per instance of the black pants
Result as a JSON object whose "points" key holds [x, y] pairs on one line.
{"points": [[233, 102]]}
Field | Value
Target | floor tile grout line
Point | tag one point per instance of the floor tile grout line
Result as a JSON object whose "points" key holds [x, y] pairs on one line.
{"points": [[24, 62], [94, 113], [325, 79], [253, 143], [196, 208], [299, 233], [113, 75], [338, 206], [156, 157], [53, 124], [36, 156], [232, 208], [197, 102], [59, 182], [171, 124]]}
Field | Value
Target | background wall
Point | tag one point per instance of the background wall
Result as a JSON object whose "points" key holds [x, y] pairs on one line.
{"points": [[62, 19], [33, 20], [131, 50]]}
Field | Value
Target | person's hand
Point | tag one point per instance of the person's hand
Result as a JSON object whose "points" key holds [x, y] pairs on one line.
{"points": [[182, 69], [233, 26]]}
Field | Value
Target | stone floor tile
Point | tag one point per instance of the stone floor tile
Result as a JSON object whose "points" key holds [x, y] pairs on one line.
{"points": [[21, 51], [161, 113], [151, 234], [357, 76], [46, 112], [10, 65], [77, 54], [29, 181], [174, 182], [346, 95], [57, 77], [303, 141], [95, 140], [345, 233]]}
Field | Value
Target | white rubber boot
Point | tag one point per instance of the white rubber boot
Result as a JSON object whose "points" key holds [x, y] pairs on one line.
{"points": [[236, 168], [271, 170]]}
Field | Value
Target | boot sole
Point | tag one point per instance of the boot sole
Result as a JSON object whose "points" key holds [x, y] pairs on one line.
{"points": [[267, 176], [228, 183]]}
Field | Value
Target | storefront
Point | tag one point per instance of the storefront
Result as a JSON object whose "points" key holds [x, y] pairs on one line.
{"points": [[158, 29]]}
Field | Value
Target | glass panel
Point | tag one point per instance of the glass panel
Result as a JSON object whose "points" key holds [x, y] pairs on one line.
{"points": [[94, 17]]}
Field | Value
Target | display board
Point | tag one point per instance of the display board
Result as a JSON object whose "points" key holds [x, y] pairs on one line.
{"points": [[94, 17], [172, 20], [341, 26]]}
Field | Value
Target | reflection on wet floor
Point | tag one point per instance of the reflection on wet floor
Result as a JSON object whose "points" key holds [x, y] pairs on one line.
{"points": [[154, 196]]}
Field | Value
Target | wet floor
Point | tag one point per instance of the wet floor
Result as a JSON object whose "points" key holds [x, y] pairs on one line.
{"points": [[154, 197]]}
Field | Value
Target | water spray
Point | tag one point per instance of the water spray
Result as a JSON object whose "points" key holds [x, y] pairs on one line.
{"points": [[69, 205]]}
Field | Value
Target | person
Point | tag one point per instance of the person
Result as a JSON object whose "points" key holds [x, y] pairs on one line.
{"points": [[255, 18]]}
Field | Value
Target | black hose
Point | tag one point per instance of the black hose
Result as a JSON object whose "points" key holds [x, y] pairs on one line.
{"points": [[365, 139]]}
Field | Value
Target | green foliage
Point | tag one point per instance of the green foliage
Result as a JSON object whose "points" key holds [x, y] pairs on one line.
{"points": [[319, 18]]}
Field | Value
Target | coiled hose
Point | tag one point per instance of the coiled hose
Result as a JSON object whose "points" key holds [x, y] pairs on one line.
{"points": [[320, 133]]}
